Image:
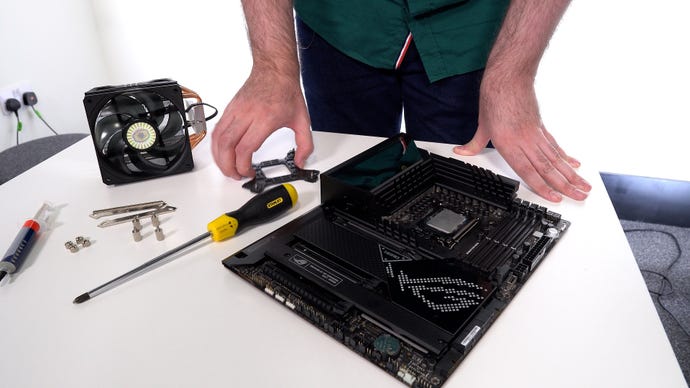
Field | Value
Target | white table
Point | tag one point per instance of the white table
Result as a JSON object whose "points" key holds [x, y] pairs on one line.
{"points": [[584, 319]]}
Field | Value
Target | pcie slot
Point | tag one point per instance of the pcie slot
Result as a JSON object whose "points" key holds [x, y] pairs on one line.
{"points": [[353, 274], [322, 300]]}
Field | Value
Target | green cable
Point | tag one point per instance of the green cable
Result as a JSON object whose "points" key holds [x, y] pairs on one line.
{"points": [[19, 125], [38, 114]]}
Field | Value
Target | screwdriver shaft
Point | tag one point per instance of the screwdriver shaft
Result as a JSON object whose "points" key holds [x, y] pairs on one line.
{"points": [[131, 274], [260, 208]]}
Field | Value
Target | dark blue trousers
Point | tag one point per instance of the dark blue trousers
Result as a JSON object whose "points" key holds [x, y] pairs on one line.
{"points": [[347, 96]]}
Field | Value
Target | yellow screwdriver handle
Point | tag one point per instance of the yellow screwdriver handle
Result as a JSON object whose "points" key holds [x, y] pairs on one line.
{"points": [[262, 207]]}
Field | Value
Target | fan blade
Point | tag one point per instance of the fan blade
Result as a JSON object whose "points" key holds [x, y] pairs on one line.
{"points": [[174, 127], [168, 151], [115, 146], [155, 105], [124, 104], [117, 160], [143, 164], [109, 126]]}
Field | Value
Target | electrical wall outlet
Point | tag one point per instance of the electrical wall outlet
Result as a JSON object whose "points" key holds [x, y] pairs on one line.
{"points": [[15, 90]]}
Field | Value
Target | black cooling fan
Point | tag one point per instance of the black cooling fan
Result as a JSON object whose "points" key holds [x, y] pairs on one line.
{"points": [[139, 130]]}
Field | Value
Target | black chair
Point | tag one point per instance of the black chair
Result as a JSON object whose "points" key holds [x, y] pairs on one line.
{"points": [[17, 159]]}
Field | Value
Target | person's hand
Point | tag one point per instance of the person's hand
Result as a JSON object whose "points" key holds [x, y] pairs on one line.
{"points": [[509, 117], [265, 103]]}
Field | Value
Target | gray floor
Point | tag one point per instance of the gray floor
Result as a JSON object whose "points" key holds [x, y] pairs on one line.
{"points": [[663, 254], [15, 160]]}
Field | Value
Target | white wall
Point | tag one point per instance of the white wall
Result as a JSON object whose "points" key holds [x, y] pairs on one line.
{"points": [[613, 85], [200, 44], [53, 46]]}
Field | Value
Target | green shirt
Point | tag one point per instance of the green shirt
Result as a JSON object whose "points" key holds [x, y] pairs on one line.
{"points": [[452, 36]]}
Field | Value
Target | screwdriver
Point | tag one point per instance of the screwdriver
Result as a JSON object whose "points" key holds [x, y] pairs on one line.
{"points": [[262, 207], [20, 247]]}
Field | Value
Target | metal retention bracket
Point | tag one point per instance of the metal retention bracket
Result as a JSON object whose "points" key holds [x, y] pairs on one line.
{"points": [[161, 210], [260, 181], [126, 209]]}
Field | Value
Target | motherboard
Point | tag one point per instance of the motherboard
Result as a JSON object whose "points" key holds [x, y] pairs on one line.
{"points": [[408, 260]]}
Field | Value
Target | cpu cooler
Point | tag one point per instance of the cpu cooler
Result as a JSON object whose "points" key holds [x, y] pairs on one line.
{"points": [[142, 131]]}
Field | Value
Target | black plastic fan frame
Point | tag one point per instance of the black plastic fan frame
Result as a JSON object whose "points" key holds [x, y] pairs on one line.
{"points": [[110, 110]]}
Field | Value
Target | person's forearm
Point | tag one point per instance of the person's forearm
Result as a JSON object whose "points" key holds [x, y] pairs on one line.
{"points": [[522, 39], [272, 36]]}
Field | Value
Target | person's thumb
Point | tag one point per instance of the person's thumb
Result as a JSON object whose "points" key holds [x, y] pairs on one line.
{"points": [[474, 146], [305, 143]]}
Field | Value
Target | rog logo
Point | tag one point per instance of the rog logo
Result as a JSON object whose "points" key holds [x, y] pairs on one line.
{"points": [[443, 293]]}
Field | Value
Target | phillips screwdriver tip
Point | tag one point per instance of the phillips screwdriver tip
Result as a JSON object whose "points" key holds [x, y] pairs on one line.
{"points": [[82, 298]]}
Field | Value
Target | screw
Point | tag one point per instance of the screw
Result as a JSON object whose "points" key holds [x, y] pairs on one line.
{"points": [[136, 224], [84, 242], [155, 221], [136, 234], [159, 234], [71, 246]]}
